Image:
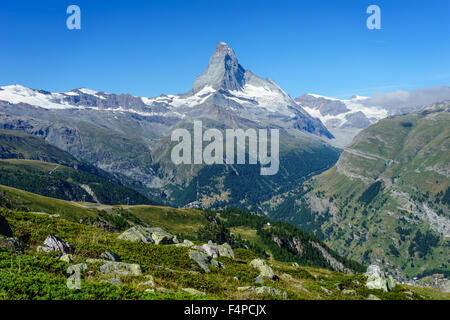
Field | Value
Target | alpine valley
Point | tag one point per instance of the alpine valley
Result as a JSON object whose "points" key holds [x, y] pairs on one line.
{"points": [[359, 183]]}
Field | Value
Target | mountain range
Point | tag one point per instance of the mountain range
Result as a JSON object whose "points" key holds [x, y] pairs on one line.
{"points": [[130, 136], [345, 118]]}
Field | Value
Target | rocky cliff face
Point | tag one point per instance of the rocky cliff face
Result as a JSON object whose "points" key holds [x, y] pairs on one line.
{"points": [[223, 72]]}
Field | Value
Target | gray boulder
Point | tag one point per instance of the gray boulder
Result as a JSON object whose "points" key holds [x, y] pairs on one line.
{"points": [[265, 291], [12, 244], [120, 269], [444, 285], [185, 243], [224, 250], [5, 229], [55, 244], [137, 234], [264, 269], [110, 256], [148, 235], [259, 280], [204, 261], [160, 236], [193, 291], [216, 250], [349, 292], [376, 279], [208, 249]]}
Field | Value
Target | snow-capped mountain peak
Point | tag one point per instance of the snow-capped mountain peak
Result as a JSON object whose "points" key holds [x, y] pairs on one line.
{"points": [[223, 71], [225, 92]]}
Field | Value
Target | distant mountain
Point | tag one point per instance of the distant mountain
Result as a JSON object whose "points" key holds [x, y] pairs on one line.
{"points": [[345, 118], [224, 92], [130, 136], [387, 200]]}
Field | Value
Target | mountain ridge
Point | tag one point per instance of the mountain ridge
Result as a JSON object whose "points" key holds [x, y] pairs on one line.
{"points": [[386, 199], [130, 135]]}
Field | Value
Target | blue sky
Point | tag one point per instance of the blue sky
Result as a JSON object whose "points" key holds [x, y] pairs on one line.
{"points": [[151, 47]]}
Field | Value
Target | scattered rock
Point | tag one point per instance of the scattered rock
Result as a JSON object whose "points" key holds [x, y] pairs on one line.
{"points": [[201, 259], [265, 290], [53, 243], [110, 256], [259, 280], [349, 292], [376, 279], [264, 269], [208, 249], [185, 243], [137, 234], [13, 244], [204, 261], [5, 229], [225, 249], [325, 290], [193, 291], [295, 264], [217, 264], [148, 235], [160, 236], [216, 250], [121, 268], [443, 285], [66, 258]]}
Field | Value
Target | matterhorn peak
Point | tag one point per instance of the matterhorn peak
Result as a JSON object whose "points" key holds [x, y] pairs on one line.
{"points": [[223, 71], [223, 48]]}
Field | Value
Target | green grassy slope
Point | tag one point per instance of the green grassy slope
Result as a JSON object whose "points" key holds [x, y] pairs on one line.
{"points": [[50, 179], [187, 223], [42, 276], [386, 200], [19, 145]]}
